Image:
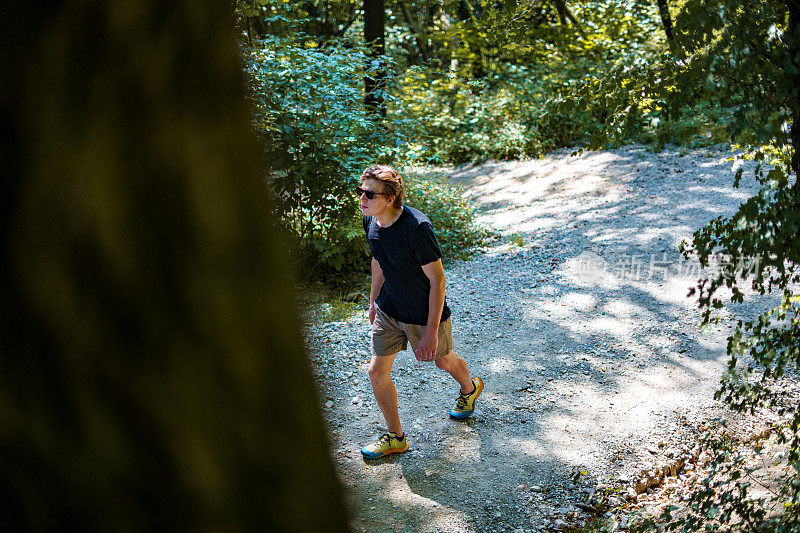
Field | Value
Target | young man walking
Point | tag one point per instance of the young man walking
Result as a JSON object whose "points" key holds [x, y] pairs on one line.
{"points": [[407, 302]]}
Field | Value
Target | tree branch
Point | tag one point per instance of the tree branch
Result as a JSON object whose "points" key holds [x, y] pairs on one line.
{"points": [[415, 30], [564, 15], [666, 20]]}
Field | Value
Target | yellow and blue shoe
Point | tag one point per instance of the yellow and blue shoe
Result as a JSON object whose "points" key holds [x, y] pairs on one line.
{"points": [[465, 404], [386, 445]]}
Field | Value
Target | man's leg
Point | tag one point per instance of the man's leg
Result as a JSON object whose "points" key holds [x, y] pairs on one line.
{"points": [[471, 388], [383, 388], [456, 366]]}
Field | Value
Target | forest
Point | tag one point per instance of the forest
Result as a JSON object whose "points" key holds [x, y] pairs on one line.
{"points": [[181, 234], [336, 86]]}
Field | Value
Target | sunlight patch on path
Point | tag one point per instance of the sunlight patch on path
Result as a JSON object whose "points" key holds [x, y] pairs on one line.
{"points": [[464, 448], [437, 514]]}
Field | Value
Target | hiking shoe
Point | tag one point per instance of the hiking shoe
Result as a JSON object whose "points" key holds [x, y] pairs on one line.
{"points": [[387, 444], [465, 404]]}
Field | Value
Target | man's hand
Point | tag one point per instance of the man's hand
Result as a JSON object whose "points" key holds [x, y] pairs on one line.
{"points": [[371, 313], [426, 349]]}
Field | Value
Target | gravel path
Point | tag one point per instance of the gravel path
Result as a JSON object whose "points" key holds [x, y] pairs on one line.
{"points": [[577, 320]]}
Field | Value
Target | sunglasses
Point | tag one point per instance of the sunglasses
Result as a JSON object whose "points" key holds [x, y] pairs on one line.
{"points": [[369, 194]]}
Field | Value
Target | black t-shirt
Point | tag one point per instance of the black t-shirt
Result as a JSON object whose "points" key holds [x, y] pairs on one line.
{"points": [[401, 250]]}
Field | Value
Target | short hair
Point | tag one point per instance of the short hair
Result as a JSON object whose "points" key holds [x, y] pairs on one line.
{"points": [[391, 179]]}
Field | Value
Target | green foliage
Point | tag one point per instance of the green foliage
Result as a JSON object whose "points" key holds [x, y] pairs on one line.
{"points": [[450, 213], [724, 499], [309, 114], [524, 104], [758, 246], [338, 308], [729, 68], [701, 125], [499, 116]]}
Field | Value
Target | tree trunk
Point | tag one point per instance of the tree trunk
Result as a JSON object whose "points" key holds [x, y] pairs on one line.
{"points": [[418, 30], [666, 19], [561, 9], [433, 12], [375, 77], [565, 16], [151, 362], [465, 16]]}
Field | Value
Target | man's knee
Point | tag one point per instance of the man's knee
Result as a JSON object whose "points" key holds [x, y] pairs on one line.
{"points": [[446, 362], [379, 368]]}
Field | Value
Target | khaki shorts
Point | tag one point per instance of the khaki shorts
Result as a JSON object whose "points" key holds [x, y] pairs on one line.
{"points": [[389, 336]]}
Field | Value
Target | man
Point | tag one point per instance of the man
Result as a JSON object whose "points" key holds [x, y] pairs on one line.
{"points": [[407, 302]]}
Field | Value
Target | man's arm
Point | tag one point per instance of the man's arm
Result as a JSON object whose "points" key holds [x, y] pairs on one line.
{"points": [[430, 341], [375, 288]]}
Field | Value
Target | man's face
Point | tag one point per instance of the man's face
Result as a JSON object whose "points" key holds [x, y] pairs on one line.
{"points": [[379, 202]]}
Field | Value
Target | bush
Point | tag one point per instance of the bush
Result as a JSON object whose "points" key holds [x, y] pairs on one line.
{"points": [[503, 116], [697, 126], [450, 213]]}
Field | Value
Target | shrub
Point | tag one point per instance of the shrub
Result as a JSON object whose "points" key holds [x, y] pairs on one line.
{"points": [[451, 214]]}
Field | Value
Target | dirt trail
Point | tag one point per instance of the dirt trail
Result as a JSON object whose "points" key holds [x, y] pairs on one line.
{"points": [[577, 320]]}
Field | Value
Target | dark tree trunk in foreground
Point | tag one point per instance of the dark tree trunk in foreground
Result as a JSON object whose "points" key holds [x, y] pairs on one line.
{"points": [[375, 77], [666, 19], [151, 365]]}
